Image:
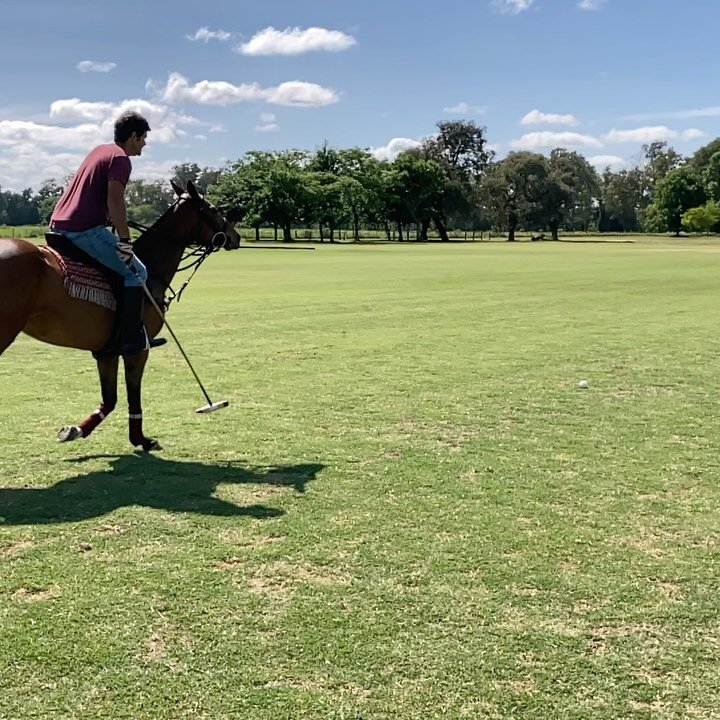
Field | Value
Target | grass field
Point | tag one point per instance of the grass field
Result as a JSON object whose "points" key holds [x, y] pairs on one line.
{"points": [[409, 510]]}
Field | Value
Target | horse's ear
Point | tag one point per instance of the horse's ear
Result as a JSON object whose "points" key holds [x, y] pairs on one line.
{"points": [[178, 190], [192, 190]]}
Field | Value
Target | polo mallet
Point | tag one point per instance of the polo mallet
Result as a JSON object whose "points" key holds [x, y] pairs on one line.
{"points": [[211, 406]]}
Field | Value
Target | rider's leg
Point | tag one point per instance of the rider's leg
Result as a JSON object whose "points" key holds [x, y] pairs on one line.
{"points": [[104, 246]]}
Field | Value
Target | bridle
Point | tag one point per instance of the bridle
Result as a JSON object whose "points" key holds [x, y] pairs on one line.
{"points": [[197, 252]]}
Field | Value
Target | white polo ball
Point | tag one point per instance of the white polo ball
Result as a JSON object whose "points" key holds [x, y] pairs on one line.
{"points": [[584, 384]]}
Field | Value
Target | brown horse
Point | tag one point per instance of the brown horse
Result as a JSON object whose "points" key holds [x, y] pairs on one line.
{"points": [[34, 300]]}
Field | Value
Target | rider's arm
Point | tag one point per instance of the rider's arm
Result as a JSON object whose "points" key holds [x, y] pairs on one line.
{"points": [[116, 208]]}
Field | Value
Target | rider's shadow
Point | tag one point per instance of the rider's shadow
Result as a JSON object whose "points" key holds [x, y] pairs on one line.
{"points": [[146, 479]]}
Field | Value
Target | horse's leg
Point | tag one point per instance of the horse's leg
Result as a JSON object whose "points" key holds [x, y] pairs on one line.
{"points": [[21, 271], [107, 370], [9, 329], [134, 368]]}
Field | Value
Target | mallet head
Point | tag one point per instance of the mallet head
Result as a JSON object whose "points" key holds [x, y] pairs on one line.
{"points": [[212, 407]]}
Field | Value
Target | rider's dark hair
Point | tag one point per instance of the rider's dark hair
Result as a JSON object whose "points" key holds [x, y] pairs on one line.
{"points": [[129, 123]]}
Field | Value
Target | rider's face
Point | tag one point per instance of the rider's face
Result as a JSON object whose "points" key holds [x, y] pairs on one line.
{"points": [[136, 143]]}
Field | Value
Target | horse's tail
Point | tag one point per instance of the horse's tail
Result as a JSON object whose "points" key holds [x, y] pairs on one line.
{"points": [[22, 267]]}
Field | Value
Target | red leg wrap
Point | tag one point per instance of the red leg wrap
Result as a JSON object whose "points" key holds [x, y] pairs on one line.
{"points": [[93, 420]]}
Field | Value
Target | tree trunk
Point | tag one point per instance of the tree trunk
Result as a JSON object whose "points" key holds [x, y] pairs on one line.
{"points": [[440, 225], [424, 225], [322, 234], [554, 226], [400, 231], [356, 226], [512, 224], [287, 235], [332, 234], [387, 232], [257, 234], [275, 228]]}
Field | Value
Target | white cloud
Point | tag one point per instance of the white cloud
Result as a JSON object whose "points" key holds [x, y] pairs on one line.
{"points": [[641, 135], [164, 121], [301, 94], [27, 165], [512, 7], [691, 134], [203, 34], [591, 4], [218, 92], [602, 161], [268, 123], [535, 117], [33, 151], [655, 133], [18, 133], [91, 66], [152, 171], [462, 108], [75, 110], [394, 148], [546, 139], [295, 41]]}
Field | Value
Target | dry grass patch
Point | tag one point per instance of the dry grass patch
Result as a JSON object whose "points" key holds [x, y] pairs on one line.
{"points": [[14, 549], [32, 595]]}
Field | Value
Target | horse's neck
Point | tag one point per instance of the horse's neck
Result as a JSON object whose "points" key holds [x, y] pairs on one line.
{"points": [[162, 248]]}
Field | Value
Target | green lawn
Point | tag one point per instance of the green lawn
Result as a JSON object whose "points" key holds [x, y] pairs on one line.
{"points": [[410, 509]]}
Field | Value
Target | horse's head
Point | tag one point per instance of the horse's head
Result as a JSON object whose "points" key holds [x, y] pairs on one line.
{"points": [[214, 231]]}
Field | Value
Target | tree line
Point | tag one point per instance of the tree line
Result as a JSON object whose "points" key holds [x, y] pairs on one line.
{"points": [[451, 181]]}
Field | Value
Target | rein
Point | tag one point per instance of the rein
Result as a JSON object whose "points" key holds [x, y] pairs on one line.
{"points": [[197, 255]]}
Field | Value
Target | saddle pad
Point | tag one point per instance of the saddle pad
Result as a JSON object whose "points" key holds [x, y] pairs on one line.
{"points": [[84, 282]]}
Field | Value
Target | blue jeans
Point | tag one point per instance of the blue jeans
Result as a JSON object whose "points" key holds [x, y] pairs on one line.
{"points": [[106, 248]]}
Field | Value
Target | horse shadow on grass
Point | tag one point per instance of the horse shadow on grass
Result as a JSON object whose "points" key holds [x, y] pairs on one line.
{"points": [[146, 479]]}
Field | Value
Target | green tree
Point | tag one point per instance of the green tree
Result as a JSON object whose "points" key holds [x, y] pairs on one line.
{"points": [[621, 197], [18, 208], [659, 160], [203, 178], [711, 177], [513, 190], [703, 218], [574, 189], [362, 186], [677, 193], [414, 188], [147, 201], [460, 148], [46, 198], [325, 202], [699, 161]]}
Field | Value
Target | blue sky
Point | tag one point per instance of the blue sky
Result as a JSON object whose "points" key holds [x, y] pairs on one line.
{"points": [[220, 77]]}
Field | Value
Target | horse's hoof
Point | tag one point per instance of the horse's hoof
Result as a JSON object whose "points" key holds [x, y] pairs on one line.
{"points": [[148, 445], [69, 433]]}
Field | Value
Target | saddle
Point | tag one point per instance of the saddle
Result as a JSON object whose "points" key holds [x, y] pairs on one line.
{"points": [[87, 279], [84, 277]]}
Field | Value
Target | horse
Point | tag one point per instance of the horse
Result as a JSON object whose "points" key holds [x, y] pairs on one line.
{"points": [[34, 300]]}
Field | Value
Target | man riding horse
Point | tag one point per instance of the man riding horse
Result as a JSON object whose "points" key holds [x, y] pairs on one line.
{"points": [[48, 295], [96, 194]]}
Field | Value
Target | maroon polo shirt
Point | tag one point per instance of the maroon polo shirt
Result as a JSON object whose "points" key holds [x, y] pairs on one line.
{"points": [[84, 202]]}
